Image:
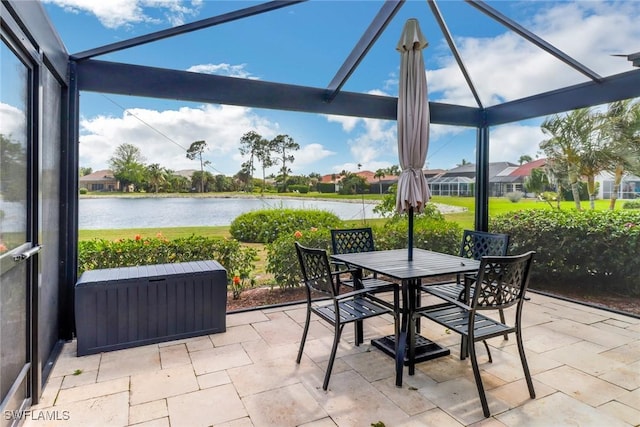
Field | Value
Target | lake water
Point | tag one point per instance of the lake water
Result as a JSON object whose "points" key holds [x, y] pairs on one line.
{"points": [[149, 212]]}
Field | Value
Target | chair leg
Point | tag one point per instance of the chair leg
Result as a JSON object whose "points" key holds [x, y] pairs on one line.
{"points": [[525, 366], [478, 378], [304, 333], [488, 351], [506, 336], [464, 347], [334, 349]]}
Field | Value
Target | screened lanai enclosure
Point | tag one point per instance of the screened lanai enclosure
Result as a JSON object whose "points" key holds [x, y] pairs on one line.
{"points": [[40, 106]]}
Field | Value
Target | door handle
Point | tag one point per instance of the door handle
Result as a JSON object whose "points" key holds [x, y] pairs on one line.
{"points": [[27, 254]]}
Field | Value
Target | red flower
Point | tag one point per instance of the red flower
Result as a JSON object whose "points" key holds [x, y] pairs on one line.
{"points": [[138, 237], [236, 280], [297, 234]]}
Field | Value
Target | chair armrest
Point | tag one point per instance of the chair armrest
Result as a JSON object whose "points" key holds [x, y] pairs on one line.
{"points": [[353, 294], [445, 297], [339, 272], [339, 264], [390, 287]]}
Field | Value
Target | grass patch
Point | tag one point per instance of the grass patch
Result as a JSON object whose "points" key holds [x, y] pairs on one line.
{"points": [[168, 232]]}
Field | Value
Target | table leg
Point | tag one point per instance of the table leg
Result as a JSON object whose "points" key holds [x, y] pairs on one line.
{"points": [[358, 325], [404, 328], [412, 326], [418, 303]]}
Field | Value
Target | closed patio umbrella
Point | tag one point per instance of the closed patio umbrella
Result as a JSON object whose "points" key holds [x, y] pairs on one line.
{"points": [[413, 125]]}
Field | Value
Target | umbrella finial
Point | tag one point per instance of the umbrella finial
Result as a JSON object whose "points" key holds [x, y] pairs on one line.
{"points": [[412, 37]]}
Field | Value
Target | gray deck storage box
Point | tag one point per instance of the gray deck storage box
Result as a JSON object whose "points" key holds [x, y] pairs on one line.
{"points": [[125, 307]]}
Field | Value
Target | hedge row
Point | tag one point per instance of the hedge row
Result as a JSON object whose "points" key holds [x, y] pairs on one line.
{"points": [[237, 259], [429, 233], [578, 248]]}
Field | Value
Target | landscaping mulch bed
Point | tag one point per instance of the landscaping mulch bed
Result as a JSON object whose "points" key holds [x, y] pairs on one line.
{"points": [[263, 296]]}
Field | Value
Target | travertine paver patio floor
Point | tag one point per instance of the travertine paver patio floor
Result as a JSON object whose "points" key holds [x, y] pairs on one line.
{"points": [[585, 364]]}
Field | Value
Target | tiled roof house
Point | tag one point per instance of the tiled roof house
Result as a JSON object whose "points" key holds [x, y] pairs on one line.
{"points": [[102, 180]]}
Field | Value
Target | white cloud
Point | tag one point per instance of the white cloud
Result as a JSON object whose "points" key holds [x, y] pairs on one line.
{"points": [[308, 155], [122, 13], [348, 123], [508, 67], [223, 69], [509, 142], [13, 123], [164, 136], [374, 139]]}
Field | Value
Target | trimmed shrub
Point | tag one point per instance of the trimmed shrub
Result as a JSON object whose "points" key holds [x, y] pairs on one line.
{"points": [[514, 196], [264, 226], [326, 187], [83, 191], [238, 260], [299, 188], [577, 248], [631, 204]]}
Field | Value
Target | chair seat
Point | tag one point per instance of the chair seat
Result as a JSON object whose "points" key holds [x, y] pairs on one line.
{"points": [[457, 318], [351, 310]]}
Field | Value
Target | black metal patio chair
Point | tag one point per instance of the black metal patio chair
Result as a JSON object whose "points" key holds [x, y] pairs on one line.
{"points": [[501, 282], [475, 245], [343, 309], [355, 240]]}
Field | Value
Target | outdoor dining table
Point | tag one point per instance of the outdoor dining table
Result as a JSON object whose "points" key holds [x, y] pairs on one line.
{"points": [[396, 265]]}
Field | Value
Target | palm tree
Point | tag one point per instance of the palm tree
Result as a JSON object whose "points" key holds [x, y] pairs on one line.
{"points": [[525, 159], [195, 151], [380, 173], [567, 135], [623, 141], [592, 157], [394, 170], [156, 176]]}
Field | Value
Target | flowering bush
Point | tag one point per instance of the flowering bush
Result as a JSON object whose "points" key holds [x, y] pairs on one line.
{"points": [[265, 226], [282, 260], [585, 248], [237, 259]]}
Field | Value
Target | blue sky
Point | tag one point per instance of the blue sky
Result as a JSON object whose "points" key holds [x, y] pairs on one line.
{"points": [[305, 44]]}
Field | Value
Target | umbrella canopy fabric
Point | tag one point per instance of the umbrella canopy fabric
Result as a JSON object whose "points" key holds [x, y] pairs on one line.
{"points": [[413, 121]]}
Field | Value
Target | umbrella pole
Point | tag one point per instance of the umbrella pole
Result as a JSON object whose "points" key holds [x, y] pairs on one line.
{"points": [[410, 232]]}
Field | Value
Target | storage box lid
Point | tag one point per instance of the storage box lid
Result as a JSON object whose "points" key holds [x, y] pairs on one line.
{"points": [[149, 271]]}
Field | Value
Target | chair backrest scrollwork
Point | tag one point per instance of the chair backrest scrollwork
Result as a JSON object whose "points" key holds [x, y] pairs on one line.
{"points": [[476, 244], [502, 281], [316, 271], [352, 240]]}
